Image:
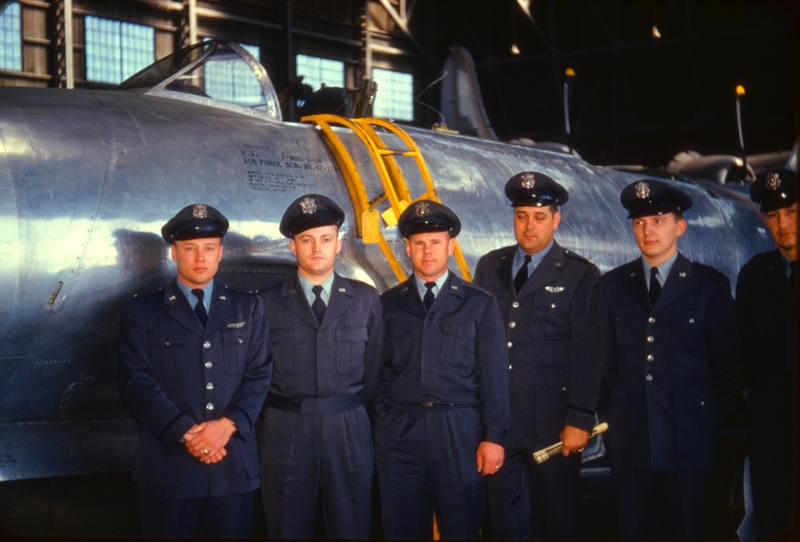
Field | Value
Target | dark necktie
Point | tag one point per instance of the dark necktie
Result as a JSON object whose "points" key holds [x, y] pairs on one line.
{"points": [[429, 297], [655, 286], [792, 264], [522, 275], [200, 307], [318, 306]]}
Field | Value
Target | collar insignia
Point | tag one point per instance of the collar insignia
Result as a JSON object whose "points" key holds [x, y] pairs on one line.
{"points": [[642, 190], [773, 182], [309, 206], [527, 181], [421, 208], [200, 210]]}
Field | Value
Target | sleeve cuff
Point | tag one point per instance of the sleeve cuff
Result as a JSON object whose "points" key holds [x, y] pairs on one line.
{"points": [[580, 418], [240, 419], [495, 435], [173, 435]]}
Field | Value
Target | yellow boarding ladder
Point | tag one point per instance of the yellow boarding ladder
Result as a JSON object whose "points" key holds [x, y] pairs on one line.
{"points": [[395, 188]]}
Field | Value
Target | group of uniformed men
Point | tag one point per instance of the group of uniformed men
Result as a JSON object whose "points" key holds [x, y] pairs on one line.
{"points": [[445, 387]]}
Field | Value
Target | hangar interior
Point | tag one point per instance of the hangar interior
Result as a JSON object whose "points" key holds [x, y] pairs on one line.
{"points": [[653, 78]]}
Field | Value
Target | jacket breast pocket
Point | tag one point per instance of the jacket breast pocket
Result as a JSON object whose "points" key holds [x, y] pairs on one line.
{"points": [[168, 357], [688, 331], [552, 318], [237, 343], [292, 351], [350, 345], [458, 343]]}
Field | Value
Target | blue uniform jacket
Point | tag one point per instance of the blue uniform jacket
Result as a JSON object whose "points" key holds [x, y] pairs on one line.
{"points": [[453, 354], [673, 369], [555, 343], [174, 374], [765, 303], [339, 358]]}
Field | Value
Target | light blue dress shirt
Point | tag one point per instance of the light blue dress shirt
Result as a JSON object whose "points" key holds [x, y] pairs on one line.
{"points": [[307, 285], [207, 291], [663, 270], [422, 289], [536, 259]]}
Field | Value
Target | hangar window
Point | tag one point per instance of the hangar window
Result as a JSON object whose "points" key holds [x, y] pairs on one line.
{"points": [[316, 71], [116, 50], [10, 39], [395, 98], [230, 79]]}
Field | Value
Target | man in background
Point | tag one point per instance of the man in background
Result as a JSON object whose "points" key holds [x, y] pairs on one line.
{"points": [[765, 297]]}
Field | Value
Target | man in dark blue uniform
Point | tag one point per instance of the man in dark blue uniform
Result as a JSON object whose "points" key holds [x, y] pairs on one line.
{"points": [[765, 297], [669, 328], [443, 408], [194, 369], [550, 305], [327, 332]]}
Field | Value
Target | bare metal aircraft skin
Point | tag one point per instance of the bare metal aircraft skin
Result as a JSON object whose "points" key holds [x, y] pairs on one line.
{"points": [[87, 178]]}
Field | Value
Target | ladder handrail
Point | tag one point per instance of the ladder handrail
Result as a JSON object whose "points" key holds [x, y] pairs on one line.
{"points": [[394, 184]]}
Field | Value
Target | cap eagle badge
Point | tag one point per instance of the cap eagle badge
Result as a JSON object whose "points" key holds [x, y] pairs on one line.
{"points": [[642, 190], [773, 181], [200, 210], [527, 181], [421, 208], [309, 206]]}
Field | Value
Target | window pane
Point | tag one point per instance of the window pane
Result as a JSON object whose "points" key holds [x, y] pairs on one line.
{"points": [[229, 78], [10, 39], [116, 50], [395, 97], [316, 71]]}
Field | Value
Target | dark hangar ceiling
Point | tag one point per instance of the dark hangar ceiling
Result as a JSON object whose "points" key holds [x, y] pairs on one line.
{"points": [[636, 98]]}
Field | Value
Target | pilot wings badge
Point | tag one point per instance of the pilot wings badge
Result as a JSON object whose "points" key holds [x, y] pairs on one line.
{"points": [[554, 289], [421, 208], [200, 210], [642, 190], [237, 325], [527, 181], [772, 181], [309, 206]]}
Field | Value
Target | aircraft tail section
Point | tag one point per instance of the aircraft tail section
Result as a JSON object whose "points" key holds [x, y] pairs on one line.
{"points": [[461, 101]]}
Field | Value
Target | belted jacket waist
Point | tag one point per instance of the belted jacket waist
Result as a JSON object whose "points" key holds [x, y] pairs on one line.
{"points": [[301, 405], [436, 399]]}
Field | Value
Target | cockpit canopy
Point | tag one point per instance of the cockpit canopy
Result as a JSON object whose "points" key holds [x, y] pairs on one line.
{"points": [[221, 74]]}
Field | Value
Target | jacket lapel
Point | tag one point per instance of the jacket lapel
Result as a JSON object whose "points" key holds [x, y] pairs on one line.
{"points": [[637, 289], [180, 310], [675, 285], [775, 276], [294, 299], [220, 314], [409, 298], [452, 293], [503, 270], [341, 296]]}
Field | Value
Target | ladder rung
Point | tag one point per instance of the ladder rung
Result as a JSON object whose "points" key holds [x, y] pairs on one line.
{"points": [[393, 152]]}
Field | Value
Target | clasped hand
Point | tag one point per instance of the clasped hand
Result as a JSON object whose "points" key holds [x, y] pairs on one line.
{"points": [[207, 440]]}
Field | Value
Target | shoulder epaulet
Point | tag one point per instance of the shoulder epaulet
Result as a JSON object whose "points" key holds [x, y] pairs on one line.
{"points": [[704, 266], [474, 286], [239, 290], [148, 293], [576, 256]]}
